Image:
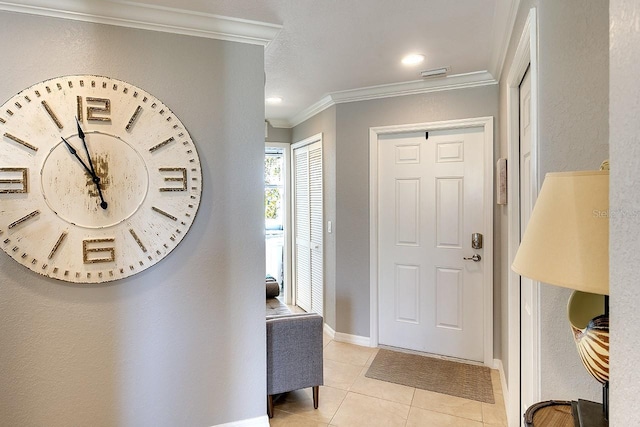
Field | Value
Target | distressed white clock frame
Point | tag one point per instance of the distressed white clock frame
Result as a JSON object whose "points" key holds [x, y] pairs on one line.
{"points": [[50, 216]]}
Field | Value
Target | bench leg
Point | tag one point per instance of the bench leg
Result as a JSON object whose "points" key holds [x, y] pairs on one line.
{"points": [[270, 406], [316, 396]]}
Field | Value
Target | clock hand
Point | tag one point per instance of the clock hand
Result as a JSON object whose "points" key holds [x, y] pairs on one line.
{"points": [[86, 149], [95, 178]]}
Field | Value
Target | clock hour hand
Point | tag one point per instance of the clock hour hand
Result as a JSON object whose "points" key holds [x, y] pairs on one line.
{"points": [[95, 178]]}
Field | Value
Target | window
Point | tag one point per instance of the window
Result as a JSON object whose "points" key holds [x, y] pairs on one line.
{"points": [[274, 187]]}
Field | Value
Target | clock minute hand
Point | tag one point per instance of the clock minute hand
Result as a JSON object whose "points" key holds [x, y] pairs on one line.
{"points": [[95, 178], [86, 149]]}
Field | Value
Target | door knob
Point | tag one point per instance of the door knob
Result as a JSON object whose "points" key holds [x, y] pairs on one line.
{"points": [[474, 258]]}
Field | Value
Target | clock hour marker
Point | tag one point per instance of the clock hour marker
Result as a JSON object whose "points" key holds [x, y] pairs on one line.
{"points": [[161, 212], [52, 114], [162, 144], [57, 245], [104, 110], [21, 142], [17, 182], [2, 120], [133, 118], [181, 179], [88, 249], [137, 239], [79, 108], [23, 219]]}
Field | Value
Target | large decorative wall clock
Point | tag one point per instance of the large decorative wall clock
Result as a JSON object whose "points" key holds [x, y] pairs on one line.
{"points": [[99, 180]]}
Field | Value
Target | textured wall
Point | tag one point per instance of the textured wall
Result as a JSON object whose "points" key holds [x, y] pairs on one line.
{"points": [[352, 183], [625, 204], [182, 343], [325, 123], [572, 135]]}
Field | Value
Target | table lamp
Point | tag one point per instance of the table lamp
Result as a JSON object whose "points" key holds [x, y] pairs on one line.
{"points": [[566, 243]]}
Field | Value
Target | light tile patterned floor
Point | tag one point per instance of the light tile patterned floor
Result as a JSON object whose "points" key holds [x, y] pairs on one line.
{"points": [[349, 399]]}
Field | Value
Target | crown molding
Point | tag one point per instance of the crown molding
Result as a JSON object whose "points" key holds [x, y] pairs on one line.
{"points": [[150, 17], [504, 21], [415, 87]]}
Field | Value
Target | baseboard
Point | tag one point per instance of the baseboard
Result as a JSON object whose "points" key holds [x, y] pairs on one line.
{"points": [[262, 421], [497, 364], [329, 331]]}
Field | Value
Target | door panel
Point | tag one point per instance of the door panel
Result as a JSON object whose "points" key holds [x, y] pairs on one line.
{"points": [[430, 194]]}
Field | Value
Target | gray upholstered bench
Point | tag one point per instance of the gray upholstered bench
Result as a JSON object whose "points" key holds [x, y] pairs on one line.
{"points": [[294, 350]]}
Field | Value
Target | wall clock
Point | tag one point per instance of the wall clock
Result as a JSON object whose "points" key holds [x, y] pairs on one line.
{"points": [[99, 180]]}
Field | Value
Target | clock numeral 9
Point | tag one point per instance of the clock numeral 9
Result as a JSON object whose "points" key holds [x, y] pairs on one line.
{"points": [[16, 182], [89, 251], [103, 110], [181, 179]]}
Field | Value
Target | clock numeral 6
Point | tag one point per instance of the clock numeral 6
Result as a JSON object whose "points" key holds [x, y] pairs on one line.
{"points": [[16, 180], [90, 251], [103, 110]]}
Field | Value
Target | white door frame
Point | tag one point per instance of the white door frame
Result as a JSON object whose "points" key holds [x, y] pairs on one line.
{"points": [[286, 147], [374, 133], [526, 57], [307, 141]]}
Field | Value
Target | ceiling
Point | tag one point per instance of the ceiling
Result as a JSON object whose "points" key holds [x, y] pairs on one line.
{"points": [[332, 51]]}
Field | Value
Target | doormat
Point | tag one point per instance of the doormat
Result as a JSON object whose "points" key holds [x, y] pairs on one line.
{"points": [[433, 374]]}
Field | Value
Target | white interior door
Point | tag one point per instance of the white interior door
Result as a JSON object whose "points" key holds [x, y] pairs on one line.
{"points": [[430, 201], [308, 225], [528, 290]]}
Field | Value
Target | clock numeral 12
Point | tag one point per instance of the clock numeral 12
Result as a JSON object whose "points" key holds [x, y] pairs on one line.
{"points": [[88, 251], [104, 110], [17, 182]]}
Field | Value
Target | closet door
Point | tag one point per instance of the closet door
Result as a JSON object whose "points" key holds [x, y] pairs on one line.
{"points": [[308, 224]]}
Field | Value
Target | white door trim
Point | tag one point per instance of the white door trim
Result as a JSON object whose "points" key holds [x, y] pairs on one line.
{"points": [[286, 147], [526, 56], [374, 132]]}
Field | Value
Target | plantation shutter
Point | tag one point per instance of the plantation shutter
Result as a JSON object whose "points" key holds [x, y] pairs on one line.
{"points": [[308, 227]]}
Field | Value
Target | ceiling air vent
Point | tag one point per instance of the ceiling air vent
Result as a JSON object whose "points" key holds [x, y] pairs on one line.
{"points": [[435, 72]]}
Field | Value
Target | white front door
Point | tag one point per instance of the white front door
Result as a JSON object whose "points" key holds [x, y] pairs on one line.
{"points": [[430, 202]]}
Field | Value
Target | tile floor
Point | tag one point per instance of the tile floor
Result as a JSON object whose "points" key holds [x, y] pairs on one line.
{"points": [[349, 399]]}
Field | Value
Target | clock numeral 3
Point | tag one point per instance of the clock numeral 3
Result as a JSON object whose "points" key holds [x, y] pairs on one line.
{"points": [[181, 179], [90, 251]]}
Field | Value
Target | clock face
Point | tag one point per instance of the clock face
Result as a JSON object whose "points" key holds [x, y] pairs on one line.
{"points": [[99, 180]]}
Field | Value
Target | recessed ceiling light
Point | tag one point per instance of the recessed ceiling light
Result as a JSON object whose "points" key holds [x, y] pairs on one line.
{"points": [[413, 59], [273, 100]]}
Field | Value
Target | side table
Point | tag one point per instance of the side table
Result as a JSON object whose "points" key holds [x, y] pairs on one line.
{"points": [[552, 413], [560, 413]]}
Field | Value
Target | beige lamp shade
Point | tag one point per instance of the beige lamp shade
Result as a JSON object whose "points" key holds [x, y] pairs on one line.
{"points": [[566, 242]]}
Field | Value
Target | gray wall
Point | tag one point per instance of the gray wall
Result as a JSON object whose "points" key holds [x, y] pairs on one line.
{"points": [[325, 123], [278, 134], [346, 131], [352, 181], [182, 343], [625, 204], [573, 131]]}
